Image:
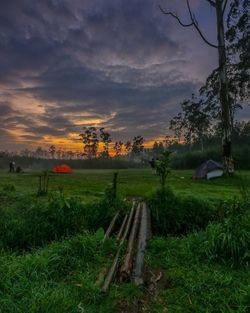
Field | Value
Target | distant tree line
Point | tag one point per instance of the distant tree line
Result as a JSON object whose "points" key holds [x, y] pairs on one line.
{"points": [[97, 143]]}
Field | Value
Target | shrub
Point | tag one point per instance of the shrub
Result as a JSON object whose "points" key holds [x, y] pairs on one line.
{"points": [[174, 215], [35, 222], [230, 239], [8, 188], [32, 225], [192, 159]]}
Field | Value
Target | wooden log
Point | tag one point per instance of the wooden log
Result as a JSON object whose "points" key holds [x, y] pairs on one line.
{"points": [[111, 226], [149, 228], [119, 235], [125, 271], [113, 269], [128, 226], [142, 242], [111, 274]]}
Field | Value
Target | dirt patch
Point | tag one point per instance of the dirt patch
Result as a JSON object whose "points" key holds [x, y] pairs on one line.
{"points": [[154, 281]]}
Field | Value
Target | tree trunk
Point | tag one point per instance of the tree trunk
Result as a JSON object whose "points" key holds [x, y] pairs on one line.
{"points": [[224, 95]]}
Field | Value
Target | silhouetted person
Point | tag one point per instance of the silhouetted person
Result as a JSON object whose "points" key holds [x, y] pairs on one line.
{"points": [[12, 167], [152, 164]]}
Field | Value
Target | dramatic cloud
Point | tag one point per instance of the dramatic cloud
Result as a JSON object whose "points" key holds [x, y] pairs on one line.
{"points": [[118, 64]]}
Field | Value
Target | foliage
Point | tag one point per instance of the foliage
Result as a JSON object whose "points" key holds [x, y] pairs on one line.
{"points": [[90, 141], [178, 215], [8, 188], [118, 148], [106, 139], [99, 214], [163, 167], [238, 36], [193, 122], [52, 151], [61, 277], [157, 149], [137, 145], [33, 224], [192, 159], [230, 239], [128, 146], [238, 66], [58, 278]]}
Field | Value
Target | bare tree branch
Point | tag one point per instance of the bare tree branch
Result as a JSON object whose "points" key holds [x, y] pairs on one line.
{"points": [[196, 26], [192, 23], [176, 17], [212, 3]]}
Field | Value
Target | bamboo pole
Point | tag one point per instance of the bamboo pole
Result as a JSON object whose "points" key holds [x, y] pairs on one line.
{"points": [[149, 225], [119, 235], [125, 271], [142, 242], [111, 226], [128, 226], [112, 271]]}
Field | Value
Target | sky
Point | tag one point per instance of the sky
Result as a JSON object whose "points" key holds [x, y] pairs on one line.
{"points": [[118, 64]]}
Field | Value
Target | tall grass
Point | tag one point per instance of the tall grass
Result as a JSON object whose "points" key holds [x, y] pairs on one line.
{"points": [[58, 278], [172, 214], [229, 240], [34, 222]]}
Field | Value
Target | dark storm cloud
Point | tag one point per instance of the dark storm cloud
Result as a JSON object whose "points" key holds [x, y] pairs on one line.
{"points": [[92, 59]]}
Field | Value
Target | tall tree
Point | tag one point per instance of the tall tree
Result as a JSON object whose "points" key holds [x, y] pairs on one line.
{"points": [[158, 148], [39, 152], [90, 141], [193, 122], [176, 126], [226, 119], [58, 154], [238, 47], [128, 146], [52, 151], [137, 146], [106, 139], [118, 148]]}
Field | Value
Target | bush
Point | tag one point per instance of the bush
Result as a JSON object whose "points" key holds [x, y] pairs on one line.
{"points": [[32, 225], [174, 215], [192, 159], [230, 239], [9, 188], [36, 222]]}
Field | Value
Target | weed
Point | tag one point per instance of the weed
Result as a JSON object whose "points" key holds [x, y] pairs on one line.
{"points": [[230, 239], [172, 214]]}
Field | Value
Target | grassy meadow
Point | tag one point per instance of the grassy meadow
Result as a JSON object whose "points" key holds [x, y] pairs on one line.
{"points": [[52, 258], [90, 184]]}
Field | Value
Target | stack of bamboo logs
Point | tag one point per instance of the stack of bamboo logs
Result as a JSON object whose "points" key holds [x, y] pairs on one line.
{"points": [[134, 232]]}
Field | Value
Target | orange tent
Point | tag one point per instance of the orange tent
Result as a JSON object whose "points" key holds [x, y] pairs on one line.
{"points": [[62, 168]]}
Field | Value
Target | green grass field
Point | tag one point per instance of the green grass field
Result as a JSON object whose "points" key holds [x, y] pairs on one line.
{"points": [[90, 184], [62, 276]]}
